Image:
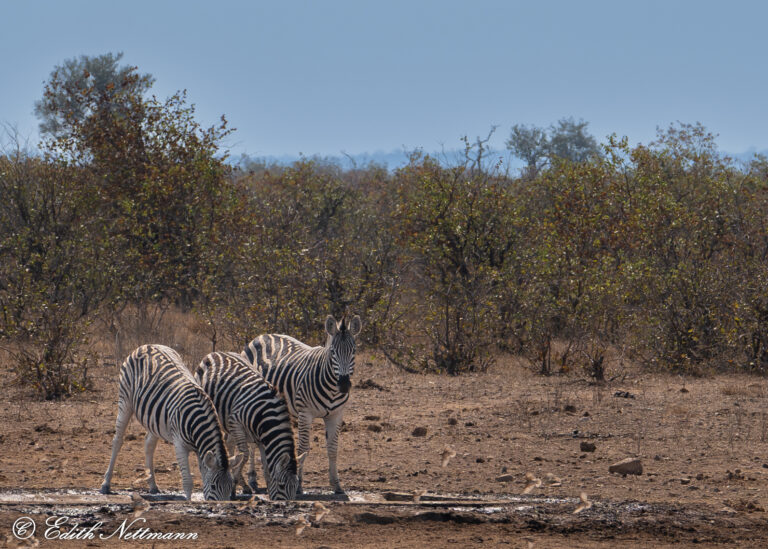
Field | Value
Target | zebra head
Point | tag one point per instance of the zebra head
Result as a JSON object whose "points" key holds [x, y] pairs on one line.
{"points": [[218, 483], [341, 337], [285, 479]]}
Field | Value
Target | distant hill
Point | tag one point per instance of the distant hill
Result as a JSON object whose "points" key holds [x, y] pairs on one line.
{"points": [[392, 160], [395, 159]]}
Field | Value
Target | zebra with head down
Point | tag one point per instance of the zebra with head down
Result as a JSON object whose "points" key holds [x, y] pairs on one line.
{"points": [[157, 388]]}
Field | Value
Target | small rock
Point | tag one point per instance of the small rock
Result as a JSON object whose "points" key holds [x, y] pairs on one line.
{"points": [[469, 424], [419, 432], [372, 418], [374, 428], [629, 466], [585, 414], [623, 394], [505, 478], [684, 390], [480, 460], [452, 421], [570, 408], [587, 446], [685, 481]]}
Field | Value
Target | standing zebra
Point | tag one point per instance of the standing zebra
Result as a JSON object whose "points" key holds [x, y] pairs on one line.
{"points": [[314, 380], [251, 411], [156, 386]]}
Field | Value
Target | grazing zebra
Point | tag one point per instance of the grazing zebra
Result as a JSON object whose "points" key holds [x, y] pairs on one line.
{"points": [[156, 386], [314, 380], [252, 412]]}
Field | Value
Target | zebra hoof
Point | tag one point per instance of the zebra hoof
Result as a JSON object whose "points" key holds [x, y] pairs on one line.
{"points": [[154, 490], [105, 489], [247, 491], [339, 491]]}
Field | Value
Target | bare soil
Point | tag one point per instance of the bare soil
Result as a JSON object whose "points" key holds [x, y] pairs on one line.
{"points": [[703, 444]]}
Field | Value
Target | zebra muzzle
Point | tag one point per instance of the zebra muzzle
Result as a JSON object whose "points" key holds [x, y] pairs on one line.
{"points": [[344, 384]]}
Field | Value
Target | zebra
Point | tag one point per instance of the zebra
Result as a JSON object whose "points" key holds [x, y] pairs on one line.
{"points": [[314, 380], [156, 386], [251, 411]]}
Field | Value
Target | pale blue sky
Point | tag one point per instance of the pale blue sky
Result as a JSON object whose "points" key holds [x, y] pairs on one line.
{"points": [[322, 77]]}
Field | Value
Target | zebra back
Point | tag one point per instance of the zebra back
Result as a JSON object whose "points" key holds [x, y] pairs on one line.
{"points": [[243, 397], [169, 403]]}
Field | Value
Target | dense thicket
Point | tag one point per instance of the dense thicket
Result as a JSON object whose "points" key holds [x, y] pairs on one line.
{"points": [[658, 251]]}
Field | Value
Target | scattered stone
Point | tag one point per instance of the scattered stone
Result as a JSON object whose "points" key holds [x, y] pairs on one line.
{"points": [[538, 458], [374, 428], [623, 394], [629, 466], [505, 478], [419, 432], [452, 421], [585, 414], [684, 390], [469, 424], [480, 460], [587, 446], [372, 418], [685, 481], [570, 408], [735, 475], [700, 476]]}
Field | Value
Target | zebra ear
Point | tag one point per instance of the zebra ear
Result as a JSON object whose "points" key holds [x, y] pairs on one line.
{"points": [[330, 325], [209, 460], [355, 326]]}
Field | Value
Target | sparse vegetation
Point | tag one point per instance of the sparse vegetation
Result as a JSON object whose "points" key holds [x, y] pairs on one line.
{"points": [[654, 253]]}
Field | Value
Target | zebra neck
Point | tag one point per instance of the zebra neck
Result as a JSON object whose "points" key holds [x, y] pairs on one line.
{"points": [[325, 362], [204, 434]]}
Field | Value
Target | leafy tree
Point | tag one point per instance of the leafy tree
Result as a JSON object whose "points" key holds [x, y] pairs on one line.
{"points": [[569, 140], [63, 108], [459, 233], [539, 147], [50, 280]]}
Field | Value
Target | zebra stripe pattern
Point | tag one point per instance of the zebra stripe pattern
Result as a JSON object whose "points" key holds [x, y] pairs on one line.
{"points": [[314, 380], [157, 388], [252, 412]]}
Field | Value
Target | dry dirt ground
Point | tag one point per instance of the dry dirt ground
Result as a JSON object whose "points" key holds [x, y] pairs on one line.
{"points": [[703, 445]]}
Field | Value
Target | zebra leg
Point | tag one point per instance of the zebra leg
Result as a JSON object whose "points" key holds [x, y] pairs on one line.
{"points": [[229, 441], [332, 429], [252, 468], [182, 456], [150, 443], [305, 429], [239, 438], [124, 414], [265, 467]]}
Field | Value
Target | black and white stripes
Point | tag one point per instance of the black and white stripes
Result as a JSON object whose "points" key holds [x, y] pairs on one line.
{"points": [[315, 381], [252, 412], [157, 388]]}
